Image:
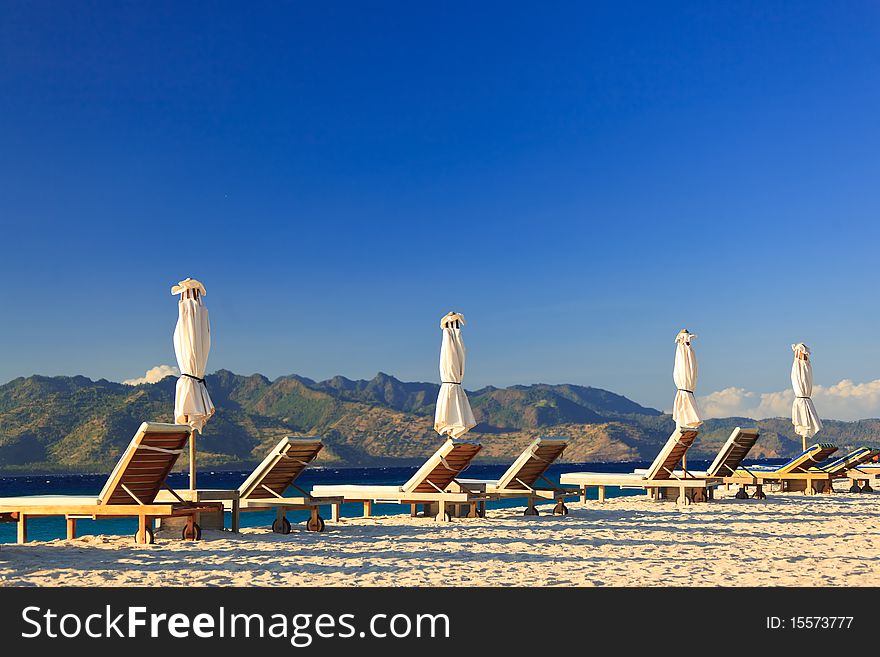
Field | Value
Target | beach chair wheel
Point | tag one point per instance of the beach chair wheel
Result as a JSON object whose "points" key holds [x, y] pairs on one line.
{"points": [[741, 494], [281, 526], [759, 495], [149, 536], [194, 535], [855, 489], [867, 489], [684, 500], [313, 524], [560, 510], [531, 511]]}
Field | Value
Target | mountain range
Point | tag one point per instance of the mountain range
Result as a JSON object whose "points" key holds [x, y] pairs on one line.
{"points": [[75, 424]]}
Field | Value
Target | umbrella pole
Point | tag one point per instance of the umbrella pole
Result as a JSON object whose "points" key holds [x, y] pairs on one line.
{"points": [[192, 460], [804, 443]]}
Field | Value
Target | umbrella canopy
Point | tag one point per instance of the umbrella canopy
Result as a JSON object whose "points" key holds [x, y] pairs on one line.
{"points": [[192, 343], [453, 415], [803, 413], [684, 410]]}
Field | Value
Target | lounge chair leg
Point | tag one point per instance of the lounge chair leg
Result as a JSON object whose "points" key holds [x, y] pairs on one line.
{"points": [[334, 512], [483, 509], [141, 536], [472, 511], [442, 513], [368, 509], [560, 509], [316, 522], [683, 498], [601, 493], [22, 528], [71, 529], [236, 515], [584, 495], [281, 524], [413, 510]]}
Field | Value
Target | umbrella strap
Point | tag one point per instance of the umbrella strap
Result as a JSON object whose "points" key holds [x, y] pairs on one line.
{"points": [[801, 397], [195, 378], [685, 390], [452, 383]]}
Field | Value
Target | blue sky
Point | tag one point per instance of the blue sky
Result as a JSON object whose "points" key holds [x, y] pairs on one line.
{"points": [[580, 179]]}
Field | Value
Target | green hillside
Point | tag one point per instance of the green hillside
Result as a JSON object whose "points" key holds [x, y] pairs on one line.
{"points": [[76, 424]]}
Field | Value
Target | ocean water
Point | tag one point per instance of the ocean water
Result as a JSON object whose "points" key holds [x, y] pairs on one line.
{"points": [[90, 484]]}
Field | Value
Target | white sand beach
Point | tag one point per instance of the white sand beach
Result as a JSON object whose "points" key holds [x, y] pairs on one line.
{"points": [[787, 540]]}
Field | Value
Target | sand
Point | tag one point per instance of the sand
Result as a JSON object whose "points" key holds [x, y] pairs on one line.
{"points": [[787, 540]]}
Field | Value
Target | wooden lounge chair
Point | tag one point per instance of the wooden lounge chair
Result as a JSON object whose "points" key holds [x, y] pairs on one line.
{"points": [[522, 477], [266, 486], [860, 467], [130, 490], [729, 458], [797, 474], [429, 486], [661, 479], [838, 467]]}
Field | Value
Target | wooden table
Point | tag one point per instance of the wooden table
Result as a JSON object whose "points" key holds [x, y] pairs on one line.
{"points": [[206, 495]]}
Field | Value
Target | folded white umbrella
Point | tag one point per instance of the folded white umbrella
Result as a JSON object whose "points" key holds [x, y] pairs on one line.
{"points": [[453, 415], [803, 413], [684, 409], [192, 344]]}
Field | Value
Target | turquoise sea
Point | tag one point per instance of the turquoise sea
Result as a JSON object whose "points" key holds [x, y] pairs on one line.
{"points": [[42, 529]]}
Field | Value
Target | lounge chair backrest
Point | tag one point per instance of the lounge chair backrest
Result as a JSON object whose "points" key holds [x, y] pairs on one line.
{"points": [[813, 455], [532, 463], [732, 453], [144, 465], [847, 461], [280, 468], [442, 467], [673, 451]]}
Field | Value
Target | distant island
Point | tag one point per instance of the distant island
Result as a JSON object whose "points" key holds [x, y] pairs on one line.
{"points": [[74, 424]]}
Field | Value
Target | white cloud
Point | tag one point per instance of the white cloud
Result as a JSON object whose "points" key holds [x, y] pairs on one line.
{"points": [[153, 375], [845, 400]]}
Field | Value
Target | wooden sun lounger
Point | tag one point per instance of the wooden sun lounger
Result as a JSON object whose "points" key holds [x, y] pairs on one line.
{"points": [[429, 486], [799, 473], [729, 458], [130, 490], [860, 474], [838, 467], [662, 476], [266, 486], [522, 477]]}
